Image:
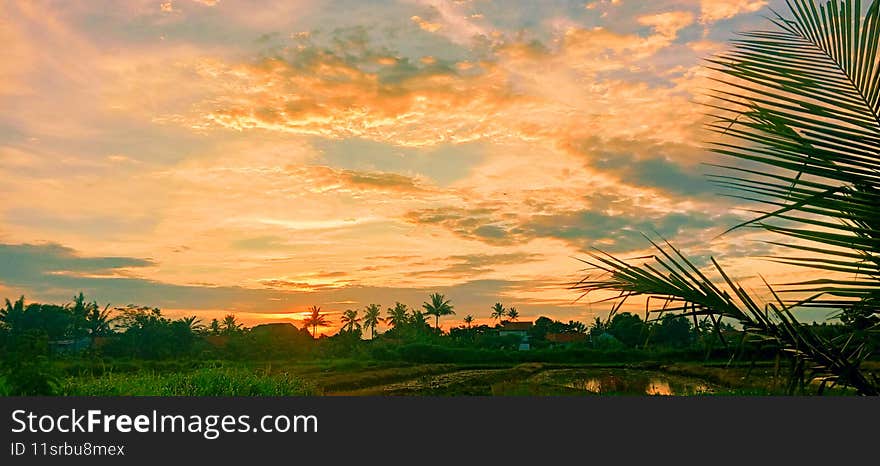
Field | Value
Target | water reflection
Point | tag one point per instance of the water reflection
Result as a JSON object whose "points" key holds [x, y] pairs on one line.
{"points": [[635, 384]]}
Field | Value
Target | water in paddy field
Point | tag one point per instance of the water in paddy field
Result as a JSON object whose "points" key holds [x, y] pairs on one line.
{"points": [[630, 382], [541, 381]]}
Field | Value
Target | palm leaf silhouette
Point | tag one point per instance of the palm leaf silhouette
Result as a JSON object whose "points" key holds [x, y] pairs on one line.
{"points": [[802, 102]]}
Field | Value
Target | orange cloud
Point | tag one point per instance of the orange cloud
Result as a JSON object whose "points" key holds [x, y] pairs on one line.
{"points": [[330, 97], [717, 10], [426, 25], [668, 24], [525, 91]]}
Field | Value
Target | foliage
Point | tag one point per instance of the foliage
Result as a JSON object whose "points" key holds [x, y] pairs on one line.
{"points": [[149, 335], [804, 102], [372, 318], [397, 315], [315, 320], [202, 382], [498, 311], [25, 365], [438, 307], [350, 321]]}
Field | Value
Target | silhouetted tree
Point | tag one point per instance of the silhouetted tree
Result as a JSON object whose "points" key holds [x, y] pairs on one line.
{"points": [[231, 325], [148, 334], [598, 328], [315, 320], [468, 320], [417, 319], [439, 306], [372, 319], [498, 311], [214, 328], [350, 320], [628, 328], [512, 314], [12, 313], [397, 316], [575, 326], [194, 324], [672, 330]]}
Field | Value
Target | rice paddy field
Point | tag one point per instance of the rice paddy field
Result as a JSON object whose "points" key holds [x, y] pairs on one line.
{"points": [[370, 378]]}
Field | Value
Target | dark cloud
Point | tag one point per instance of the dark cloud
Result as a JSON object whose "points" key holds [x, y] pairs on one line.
{"points": [[665, 166], [581, 228], [32, 269], [469, 265], [483, 224], [391, 181], [24, 262]]}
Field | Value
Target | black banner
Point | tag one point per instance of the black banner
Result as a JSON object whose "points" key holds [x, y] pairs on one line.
{"points": [[413, 430]]}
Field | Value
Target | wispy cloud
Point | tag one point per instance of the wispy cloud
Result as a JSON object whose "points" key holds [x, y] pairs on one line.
{"points": [[262, 156]]}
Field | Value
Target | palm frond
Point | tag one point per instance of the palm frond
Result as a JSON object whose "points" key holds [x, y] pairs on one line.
{"points": [[805, 100], [687, 291], [802, 103]]}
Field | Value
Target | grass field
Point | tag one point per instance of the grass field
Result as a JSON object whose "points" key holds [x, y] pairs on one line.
{"points": [[345, 377]]}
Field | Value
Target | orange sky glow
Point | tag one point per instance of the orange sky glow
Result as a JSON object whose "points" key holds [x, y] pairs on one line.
{"points": [[258, 158]]}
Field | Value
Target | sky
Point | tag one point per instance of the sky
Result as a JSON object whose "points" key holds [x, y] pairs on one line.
{"points": [[260, 157]]}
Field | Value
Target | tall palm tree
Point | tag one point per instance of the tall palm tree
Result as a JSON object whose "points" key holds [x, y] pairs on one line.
{"points": [[468, 320], [372, 318], [417, 319], [98, 321], [498, 311], [231, 324], [214, 328], [79, 313], [803, 99], [439, 306], [512, 314], [350, 320], [195, 324], [398, 315], [12, 313], [315, 320]]}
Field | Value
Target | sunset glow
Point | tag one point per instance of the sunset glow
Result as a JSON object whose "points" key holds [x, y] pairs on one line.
{"points": [[258, 158]]}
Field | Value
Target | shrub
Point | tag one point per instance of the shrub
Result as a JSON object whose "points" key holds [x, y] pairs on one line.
{"points": [[201, 382]]}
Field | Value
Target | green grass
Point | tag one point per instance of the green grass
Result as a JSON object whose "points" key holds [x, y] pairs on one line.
{"points": [[200, 382], [347, 376]]}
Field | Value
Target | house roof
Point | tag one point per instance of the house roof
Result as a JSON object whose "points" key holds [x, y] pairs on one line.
{"points": [[515, 326], [275, 327]]}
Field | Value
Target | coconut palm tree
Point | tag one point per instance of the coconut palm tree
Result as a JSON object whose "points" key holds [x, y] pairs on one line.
{"points": [[417, 319], [315, 320], [230, 324], [195, 324], [512, 314], [372, 318], [12, 313], [468, 320], [350, 320], [439, 306], [214, 327], [803, 101], [498, 311], [98, 321], [398, 315], [79, 313]]}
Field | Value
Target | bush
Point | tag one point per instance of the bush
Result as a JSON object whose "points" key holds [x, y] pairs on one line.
{"points": [[202, 382], [26, 368]]}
